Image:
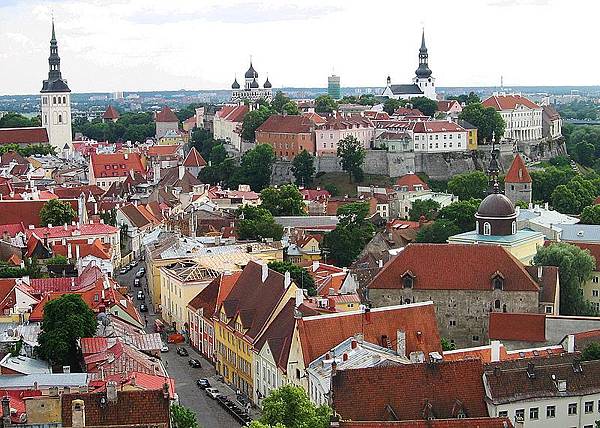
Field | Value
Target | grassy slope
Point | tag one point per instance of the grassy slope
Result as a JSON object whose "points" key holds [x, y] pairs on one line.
{"points": [[345, 187]]}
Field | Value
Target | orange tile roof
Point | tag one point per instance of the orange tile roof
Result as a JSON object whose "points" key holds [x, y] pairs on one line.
{"points": [[111, 113], [116, 164], [194, 159], [517, 173], [508, 102], [35, 135], [411, 180], [166, 150], [166, 115], [517, 327]]}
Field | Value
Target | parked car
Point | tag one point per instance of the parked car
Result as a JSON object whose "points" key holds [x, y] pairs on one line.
{"points": [[182, 351], [123, 271], [164, 348], [195, 363], [134, 263], [136, 283], [212, 392], [203, 383], [131, 265], [140, 273], [143, 308], [140, 295]]}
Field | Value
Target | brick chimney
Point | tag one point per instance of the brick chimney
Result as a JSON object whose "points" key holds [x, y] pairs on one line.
{"points": [[111, 391], [264, 272], [6, 411], [78, 414], [495, 350]]}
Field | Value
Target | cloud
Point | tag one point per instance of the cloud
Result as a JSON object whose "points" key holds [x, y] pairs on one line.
{"points": [[516, 3]]}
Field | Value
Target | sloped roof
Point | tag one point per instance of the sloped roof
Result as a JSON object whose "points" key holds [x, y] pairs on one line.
{"points": [[163, 150], [213, 295], [435, 126], [287, 124], [517, 327], [411, 180], [194, 159], [517, 173], [410, 391], [135, 216], [408, 89], [508, 102], [321, 333], [116, 164], [446, 105], [166, 115], [34, 135], [111, 113], [76, 191], [479, 264]]}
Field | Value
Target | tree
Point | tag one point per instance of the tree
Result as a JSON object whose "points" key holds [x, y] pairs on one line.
{"points": [[469, 185], [438, 232], [325, 104], [303, 168], [352, 155], [584, 153], [256, 166], [545, 181], [283, 201], [66, 320], [253, 120], [575, 267], [573, 197], [487, 120], [591, 352], [183, 417], [16, 120], [591, 214], [427, 208], [109, 217], [290, 406], [257, 223], [186, 112], [367, 100], [279, 100], [461, 213], [466, 99], [299, 275], [425, 105], [391, 105], [447, 345], [352, 233], [57, 212], [291, 108]]}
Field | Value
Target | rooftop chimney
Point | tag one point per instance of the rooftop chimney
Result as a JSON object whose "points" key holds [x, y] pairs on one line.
{"points": [[299, 297], [111, 391], [264, 272], [78, 413], [353, 344], [571, 343], [181, 171], [495, 350], [6, 411], [287, 279], [401, 343]]}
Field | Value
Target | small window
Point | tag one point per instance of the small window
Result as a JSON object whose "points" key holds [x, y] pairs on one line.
{"points": [[407, 281], [503, 414], [572, 409], [498, 283], [497, 304], [520, 414], [534, 413], [475, 338], [297, 373], [588, 407], [487, 229]]}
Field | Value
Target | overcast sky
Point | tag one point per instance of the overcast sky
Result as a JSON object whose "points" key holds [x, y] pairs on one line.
{"points": [[135, 45]]}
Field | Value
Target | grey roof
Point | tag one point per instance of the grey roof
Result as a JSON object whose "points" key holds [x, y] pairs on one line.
{"points": [[409, 89], [466, 124], [580, 233], [44, 380], [308, 221]]}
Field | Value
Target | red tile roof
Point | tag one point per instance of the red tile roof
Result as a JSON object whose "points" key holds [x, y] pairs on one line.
{"points": [[166, 115], [434, 126], [517, 173], [286, 124], [111, 113], [166, 150], [346, 122], [508, 102], [93, 345], [75, 192], [435, 423], [315, 118], [517, 327], [26, 212], [96, 249], [410, 181], [213, 295], [116, 164], [194, 159], [70, 230], [315, 194], [136, 380], [233, 113], [484, 353], [479, 264], [321, 333], [403, 111], [133, 408], [446, 105], [410, 392], [37, 135]]}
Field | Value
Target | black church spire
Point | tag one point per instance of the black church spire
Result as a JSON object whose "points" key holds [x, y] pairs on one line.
{"points": [[55, 82]]}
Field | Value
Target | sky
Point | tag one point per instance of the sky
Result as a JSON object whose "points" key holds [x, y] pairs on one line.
{"points": [[141, 45]]}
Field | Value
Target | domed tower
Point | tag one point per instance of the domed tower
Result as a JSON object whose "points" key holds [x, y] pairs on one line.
{"points": [[423, 78], [496, 215], [235, 85], [254, 84], [250, 75]]}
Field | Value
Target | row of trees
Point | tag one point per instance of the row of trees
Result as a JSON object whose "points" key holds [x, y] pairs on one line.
{"points": [[16, 120], [129, 127], [458, 217]]}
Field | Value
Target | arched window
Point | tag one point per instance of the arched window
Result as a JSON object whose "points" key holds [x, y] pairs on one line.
{"points": [[498, 282], [514, 227], [60, 118], [497, 304], [53, 100], [504, 307], [64, 100], [407, 280], [487, 228]]}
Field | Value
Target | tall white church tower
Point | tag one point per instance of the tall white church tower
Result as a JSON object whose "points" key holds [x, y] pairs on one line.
{"points": [[56, 102], [423, 78]]}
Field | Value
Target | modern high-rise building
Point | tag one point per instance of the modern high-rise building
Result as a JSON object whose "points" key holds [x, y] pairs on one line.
{"points": [[56, 102], [333, 87]]}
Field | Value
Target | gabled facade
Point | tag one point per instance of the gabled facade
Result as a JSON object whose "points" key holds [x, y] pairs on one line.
{"points": [[523, 118]]}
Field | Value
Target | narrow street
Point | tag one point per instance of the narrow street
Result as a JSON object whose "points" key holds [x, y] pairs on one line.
{"points": [[208, 411]]}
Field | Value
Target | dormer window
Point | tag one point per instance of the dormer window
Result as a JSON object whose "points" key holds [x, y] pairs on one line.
{"points": [[498, 281], [408, 280]]}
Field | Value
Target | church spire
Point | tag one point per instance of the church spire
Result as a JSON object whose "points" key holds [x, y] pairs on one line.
{"points": [[423, 47], [423, 71], [55, 82]]}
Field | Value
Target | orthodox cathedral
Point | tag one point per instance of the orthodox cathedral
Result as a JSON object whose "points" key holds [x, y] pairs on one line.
{"points": [[251, 90], [423, 84]]}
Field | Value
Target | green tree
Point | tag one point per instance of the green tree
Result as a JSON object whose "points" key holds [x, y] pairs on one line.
{"points": [[186, 112], [257, 223], [16, 120], [66, 320], [446, 345], [461, 213], [591, 352], [469, 185], [368, 100], [545, 181], [299, 275], [109, 217], [575, 267], [57, 212], [325, 104], [438, 232], [256, 166], [352, 233], [391, 105], [218, 154], [58, 260], [303, 168], [427, 208], [259, 424], [585, 153], [285, 200], [573, 197], [425, 105], [253, 120], [352, 155], [471, 98], [291, 108], [183, 417], [279, 100], [590, 214], [487, 120], [290, 406]]}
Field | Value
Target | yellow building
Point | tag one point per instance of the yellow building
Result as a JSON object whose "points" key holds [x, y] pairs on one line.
{"points": [[471, 134], [591, 289], [255, 300], [172, 138], [306, 249]]}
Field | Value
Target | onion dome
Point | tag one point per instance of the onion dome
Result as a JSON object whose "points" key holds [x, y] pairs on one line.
{"points": [[251, 73], [496, 215], [254, 84], [235, 84], [267, 84], [423, 71]]}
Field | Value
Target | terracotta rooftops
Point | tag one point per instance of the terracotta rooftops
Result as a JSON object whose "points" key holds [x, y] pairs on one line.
{"points": [[517, 327], [446, 105], [517, 173], [166, 115], [479, 265], [34, 135], [194, 159], [319, 334], [232, 113], [434, 126], [25, 211], [434, 423], [509, 102], [420, 391], [116, 164], [111, 113], [213, 295], [410, 181], [287, 124]]}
